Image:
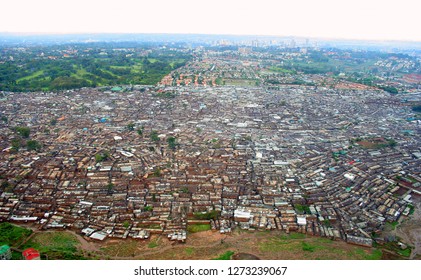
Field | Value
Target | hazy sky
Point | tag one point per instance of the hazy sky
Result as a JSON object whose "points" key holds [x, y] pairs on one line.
{"points": [[354, 19]]}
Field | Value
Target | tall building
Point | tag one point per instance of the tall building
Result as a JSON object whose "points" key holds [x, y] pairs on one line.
{"points": [[293, 43]]}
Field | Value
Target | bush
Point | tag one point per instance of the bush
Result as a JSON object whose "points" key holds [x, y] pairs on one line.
{"points": [[102, 156], [11, 235], [23, 131], [154, 136], [33, 145], [307, 247], [206, 216], [172, 142], [225, 256]]}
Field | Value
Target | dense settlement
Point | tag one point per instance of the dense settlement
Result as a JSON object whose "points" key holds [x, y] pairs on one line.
{"points": [[337, 160]]}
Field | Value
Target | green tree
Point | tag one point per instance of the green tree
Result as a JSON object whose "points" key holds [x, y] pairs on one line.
{"points": [[140, 131], [110, 188], [157, 172], [126, 224], [15, 145], [172, 142], [23, 131], [33, 145], [154, 136], [130, 126], [103, 156], [5, 185]]}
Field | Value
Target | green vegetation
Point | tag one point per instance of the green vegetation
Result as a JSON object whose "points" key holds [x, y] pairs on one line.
{"points": [[397, 247], [96, 64], [23, 131], [151, 226], [16, 144], [110, 188], [185, 190], [148, 208], [294, 242], [130, 126], [219, 81], [392, 225], [153, 244], [198, 228], [12, 235], [172, 142], [103, 156], [56, 245], [373, 255], [405, 252], [308, 247], [4, 185], [374, 143], [61, 83], [280, 70], [411, 209], [189, 251], [206, 215], [302, 209], [225, 256], [293, 235], [154, 136], [389, 89], [157, 172], [33, 145]]}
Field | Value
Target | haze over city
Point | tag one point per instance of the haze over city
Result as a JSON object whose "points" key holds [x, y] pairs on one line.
{"points": [[368, 20]]}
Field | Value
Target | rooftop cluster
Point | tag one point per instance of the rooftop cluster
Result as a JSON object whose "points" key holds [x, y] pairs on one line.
{"points": [[133, 161]]}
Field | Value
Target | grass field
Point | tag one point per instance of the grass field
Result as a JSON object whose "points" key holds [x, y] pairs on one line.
{"points": [[301, 246], [198, 228], [200, 245], [32, 76], [125, 249], [55, 245], [277, 69], [12, 235], [225, 256]]}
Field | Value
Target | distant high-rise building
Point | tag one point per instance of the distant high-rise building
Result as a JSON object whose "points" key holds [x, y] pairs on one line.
{"points": [[293, 43]]}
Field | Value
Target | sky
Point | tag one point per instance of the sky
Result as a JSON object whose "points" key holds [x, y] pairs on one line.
{"points": [[342, 19]]}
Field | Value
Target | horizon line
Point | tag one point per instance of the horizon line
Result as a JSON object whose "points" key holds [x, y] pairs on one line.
{"points": [[43, 33]]}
